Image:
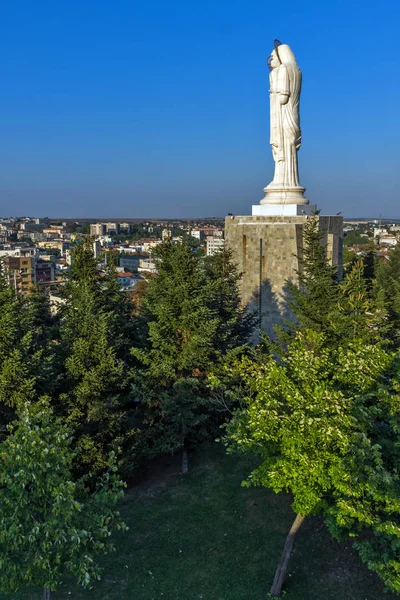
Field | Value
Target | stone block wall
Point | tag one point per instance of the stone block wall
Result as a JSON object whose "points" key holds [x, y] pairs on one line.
{"points": [[266, 251]]}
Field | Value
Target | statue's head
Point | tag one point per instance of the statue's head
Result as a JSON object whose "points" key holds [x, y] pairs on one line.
{"points": [[281, 54], [273, 61]]}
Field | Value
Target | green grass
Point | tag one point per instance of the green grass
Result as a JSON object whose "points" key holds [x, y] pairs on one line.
{"points": [[203, 536]]}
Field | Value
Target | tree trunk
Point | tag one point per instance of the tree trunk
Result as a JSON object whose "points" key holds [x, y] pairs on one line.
{"points": [[185, 460], [46, 594], [276, 587]]}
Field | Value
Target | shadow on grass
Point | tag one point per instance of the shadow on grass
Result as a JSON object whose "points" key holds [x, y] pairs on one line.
{"points": [[203, 536]]}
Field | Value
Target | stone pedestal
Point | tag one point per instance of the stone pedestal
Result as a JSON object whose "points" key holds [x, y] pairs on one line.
{"points": [[266, 250]]}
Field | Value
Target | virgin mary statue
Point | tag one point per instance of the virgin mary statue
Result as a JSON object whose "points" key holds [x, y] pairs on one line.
{"points": [[285, 87]]}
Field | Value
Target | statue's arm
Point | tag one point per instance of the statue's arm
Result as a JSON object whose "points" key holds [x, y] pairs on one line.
{"points": [[283, 84]]}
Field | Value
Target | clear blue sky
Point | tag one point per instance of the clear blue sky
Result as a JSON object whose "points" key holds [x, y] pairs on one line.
{"points": [[160, 108]]}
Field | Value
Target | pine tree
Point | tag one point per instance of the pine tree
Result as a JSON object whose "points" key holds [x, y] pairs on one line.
{"points": [[236, 325], [193, 314], [388, 283], [25, 353], [358, 313], [96, 332], [313, 297], [338, 309]]}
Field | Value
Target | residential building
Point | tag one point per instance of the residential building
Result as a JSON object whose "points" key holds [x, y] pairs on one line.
{"points": [[57, 231], [21, 272], [30, 226], [146, 244], [56, 301], [126, 279], [166, 235], [96, 248], [112, 228], [59, 244], [44, 271], [68, 256], [125, 227], [98, 229], [147, 265], [214, 244], [34, 236], [203, 232], [197, 234], [129, 262], [19, 251]]}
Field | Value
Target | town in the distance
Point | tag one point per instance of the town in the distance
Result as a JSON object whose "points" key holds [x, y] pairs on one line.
{"points": [[36, 251]]}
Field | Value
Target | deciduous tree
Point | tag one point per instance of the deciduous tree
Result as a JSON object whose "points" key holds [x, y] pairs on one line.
{"points": [[324, 424], [51, 524]]}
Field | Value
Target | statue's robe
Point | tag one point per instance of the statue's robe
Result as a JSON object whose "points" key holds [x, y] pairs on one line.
{"points": [[285, 82]]}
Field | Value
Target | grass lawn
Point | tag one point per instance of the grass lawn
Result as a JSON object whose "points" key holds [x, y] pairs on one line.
{"points": [[203, 536]]}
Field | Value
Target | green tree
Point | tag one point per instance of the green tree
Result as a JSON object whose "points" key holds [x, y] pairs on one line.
{"points": [[235, 324], [25, 353], [37, 319], [323, 424], [356, 237], [50, 524], [338, 309], [112, 257], [96, 332], [193, 315], [388, 282], [312, 298], [358, 314]]}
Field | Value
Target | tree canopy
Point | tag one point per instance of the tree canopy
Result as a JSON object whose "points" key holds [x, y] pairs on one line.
{"points": [[50, 523], [192, 310]]}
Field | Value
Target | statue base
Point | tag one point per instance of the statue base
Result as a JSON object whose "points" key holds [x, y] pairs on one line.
{"points": [[284, 195], [266, 250], [282, 210]]}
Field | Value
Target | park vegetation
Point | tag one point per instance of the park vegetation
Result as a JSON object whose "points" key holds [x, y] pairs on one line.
{"points": [[91, 393]]}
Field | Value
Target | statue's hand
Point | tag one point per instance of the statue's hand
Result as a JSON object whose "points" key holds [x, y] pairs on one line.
{"points": [[283, 98]]}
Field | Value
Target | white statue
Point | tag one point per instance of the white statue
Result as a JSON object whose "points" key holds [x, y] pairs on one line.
{"points": [[285, 87]]}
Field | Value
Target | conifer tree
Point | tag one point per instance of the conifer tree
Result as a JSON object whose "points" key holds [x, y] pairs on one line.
{"points": [[312, 298], [236, 324], [388, 283], [358, 313], [193, 317], [339, 309], [25, 354], [96, 333]]}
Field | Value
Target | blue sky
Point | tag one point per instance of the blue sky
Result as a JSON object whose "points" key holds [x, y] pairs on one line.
{"points": [[161, 109]]}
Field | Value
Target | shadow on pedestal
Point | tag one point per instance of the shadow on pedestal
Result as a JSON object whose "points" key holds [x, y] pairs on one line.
{"points": [[272, 310]]}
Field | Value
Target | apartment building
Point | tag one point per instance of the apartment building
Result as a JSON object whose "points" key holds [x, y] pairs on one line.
{"points": [[21, 272], [98, 229], [214, 244]]}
